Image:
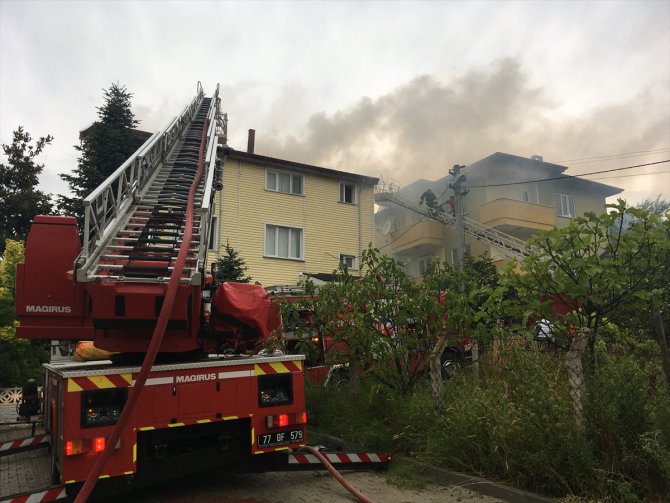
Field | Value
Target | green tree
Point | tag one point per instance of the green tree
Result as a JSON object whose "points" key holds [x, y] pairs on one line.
{"points": [[657, 206], [231, 267], [19, 200], [385, 324], [13, 255], [20, 360], [108, 144], [599, 264]]}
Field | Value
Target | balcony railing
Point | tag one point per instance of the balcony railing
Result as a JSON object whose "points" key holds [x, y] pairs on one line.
{"points": [[512, 216], [425, 234]]}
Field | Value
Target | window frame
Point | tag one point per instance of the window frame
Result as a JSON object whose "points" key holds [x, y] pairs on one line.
{"points": [[354, 261], [267, 226], [565, 202], [343, 185], [291, 176]]}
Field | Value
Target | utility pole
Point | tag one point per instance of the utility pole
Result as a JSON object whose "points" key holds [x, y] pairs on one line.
{"points": [[459, 192]]}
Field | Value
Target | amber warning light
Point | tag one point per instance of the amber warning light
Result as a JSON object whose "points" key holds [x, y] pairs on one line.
{"points": [[73, 447]]}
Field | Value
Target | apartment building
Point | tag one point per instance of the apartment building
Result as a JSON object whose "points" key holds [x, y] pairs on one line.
{"points": [[288, 219], [515, 195]]}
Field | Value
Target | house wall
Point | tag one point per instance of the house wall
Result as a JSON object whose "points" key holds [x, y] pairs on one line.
{"points": [[585, 199], [330, 228]]}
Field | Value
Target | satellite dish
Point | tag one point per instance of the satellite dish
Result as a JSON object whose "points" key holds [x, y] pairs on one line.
{"points": [[386, 227]]}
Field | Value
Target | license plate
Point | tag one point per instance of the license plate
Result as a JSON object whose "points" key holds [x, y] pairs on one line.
{"points": [[280, 438]]}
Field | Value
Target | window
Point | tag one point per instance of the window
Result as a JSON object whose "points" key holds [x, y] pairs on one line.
{"points": [[347, 193], [213, 243], [424, 263], [348, 260], [283, 182], [565, 205], [283, 242], [524, 196]]}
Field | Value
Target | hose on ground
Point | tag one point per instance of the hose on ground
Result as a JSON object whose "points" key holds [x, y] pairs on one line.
{"points": [[338, 476]]}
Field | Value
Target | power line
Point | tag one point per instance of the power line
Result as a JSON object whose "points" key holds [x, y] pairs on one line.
{"points": [[566, 177], [626, 176], [614, 156]]}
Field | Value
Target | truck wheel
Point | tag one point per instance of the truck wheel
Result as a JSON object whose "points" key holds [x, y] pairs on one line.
{"points": [[449, 369]]}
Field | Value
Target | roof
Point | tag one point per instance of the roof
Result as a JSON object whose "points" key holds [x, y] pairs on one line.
{"points": [[530, 170], [298, 167]]}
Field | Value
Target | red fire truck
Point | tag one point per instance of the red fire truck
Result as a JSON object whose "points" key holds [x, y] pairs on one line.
{"points": [[190, 386]]}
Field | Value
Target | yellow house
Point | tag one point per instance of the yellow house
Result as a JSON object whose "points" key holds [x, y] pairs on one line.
{"points": [[288, 219], [514, 195]]}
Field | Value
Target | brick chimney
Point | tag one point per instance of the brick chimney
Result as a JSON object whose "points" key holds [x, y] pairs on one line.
{"points": [[251, 141]]}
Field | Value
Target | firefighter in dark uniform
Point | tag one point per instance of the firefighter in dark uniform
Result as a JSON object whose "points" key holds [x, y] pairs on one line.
{"points": [[431, 202]]}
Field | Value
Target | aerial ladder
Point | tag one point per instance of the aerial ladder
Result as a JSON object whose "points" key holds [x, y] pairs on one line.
{"points": [[512, 247], [134, 227]]}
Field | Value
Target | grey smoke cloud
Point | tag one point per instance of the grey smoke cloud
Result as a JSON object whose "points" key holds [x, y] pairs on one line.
{"points": [[422, 128]]}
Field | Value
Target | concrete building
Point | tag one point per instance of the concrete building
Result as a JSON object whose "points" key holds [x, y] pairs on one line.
{"points": [[287, 219], [516, 195]]}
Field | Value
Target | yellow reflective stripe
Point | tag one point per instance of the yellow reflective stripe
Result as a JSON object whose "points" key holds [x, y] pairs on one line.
{"points": [[144, 428], [279, 367], [103, 477], [128, 473], [73, 386], [101, 382], [174, 425], [134, 453], [253, 436], [204, 421], [228, 418]]}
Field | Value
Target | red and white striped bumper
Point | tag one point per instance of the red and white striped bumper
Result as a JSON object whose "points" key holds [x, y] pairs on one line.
{"points": [[53, 494], [338, 458], [23, 443]]}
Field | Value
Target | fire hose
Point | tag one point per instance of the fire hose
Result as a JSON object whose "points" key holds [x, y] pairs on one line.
{"points": [[156, 338], [338, 476]]}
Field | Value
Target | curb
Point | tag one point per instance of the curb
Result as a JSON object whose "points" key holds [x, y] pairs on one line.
{"points": [[470, 482]]}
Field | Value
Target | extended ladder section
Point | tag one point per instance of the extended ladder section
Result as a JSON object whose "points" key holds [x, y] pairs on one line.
{"points": [[134, 221], [511, 246]]}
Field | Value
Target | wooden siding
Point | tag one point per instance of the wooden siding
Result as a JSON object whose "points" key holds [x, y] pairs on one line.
{"points": [[329, 227]]}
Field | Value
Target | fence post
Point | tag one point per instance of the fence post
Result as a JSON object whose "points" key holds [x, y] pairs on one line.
{"points": [[573, 364], [436, 373]]}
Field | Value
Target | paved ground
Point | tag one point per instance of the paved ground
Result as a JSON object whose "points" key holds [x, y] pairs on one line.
{"points": [[7, 413], [23, 471], [299, 487]]}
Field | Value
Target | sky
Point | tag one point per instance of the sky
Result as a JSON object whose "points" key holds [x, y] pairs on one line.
{"points": [[397, 90]]}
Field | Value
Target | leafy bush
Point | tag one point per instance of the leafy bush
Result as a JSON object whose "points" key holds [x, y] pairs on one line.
{"points": [[20, 360], [516, 424]]}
